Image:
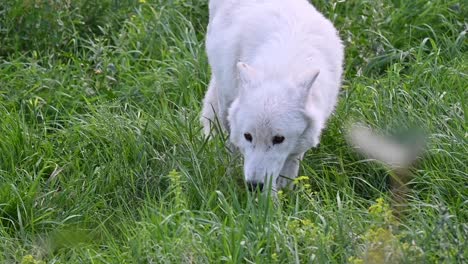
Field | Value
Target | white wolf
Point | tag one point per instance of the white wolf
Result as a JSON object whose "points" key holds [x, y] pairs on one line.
{"points": [[276, 72]]}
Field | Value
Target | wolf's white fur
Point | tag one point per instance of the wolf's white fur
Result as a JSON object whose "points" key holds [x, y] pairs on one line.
{"points": [[276, 71]]}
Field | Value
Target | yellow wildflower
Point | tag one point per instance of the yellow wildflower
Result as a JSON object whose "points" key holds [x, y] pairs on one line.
{"points": [[300, 178]]}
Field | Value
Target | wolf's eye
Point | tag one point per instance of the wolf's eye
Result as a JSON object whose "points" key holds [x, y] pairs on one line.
{"points": [[278, 140], [248, 137]]}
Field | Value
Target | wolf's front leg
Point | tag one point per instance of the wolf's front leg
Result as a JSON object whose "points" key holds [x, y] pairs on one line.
{"points": [[289, 172], [223, 106], [209, 114]]}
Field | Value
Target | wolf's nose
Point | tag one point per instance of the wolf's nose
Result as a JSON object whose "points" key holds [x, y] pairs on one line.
{"points": [[253, 186]]}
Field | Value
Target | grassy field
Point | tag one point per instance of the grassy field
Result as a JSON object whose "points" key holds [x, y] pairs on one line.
{"points": [[102, 159]]}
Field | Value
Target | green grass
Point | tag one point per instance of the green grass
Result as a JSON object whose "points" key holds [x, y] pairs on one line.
{"points": [[102, 158]]}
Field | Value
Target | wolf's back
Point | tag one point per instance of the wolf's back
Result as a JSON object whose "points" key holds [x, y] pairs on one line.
{"points": [[217, 5]]}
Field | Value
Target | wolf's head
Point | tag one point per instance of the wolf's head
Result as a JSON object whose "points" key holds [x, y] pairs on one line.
{"points": [[269, 123]]}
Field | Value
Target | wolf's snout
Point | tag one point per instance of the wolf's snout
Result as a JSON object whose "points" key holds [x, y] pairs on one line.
{"points": [[253, 186]]}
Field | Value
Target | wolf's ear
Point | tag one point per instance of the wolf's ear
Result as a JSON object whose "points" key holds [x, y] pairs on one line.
{"points": [[247, 74], [307, 79]]}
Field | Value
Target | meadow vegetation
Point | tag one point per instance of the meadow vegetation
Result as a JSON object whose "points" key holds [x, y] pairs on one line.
{"points": [[102, 159]]}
